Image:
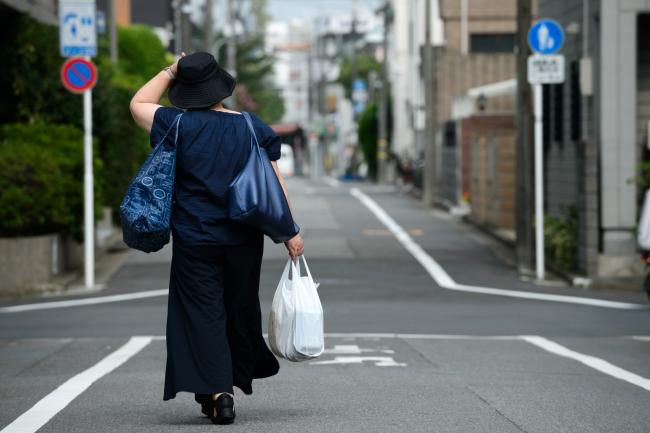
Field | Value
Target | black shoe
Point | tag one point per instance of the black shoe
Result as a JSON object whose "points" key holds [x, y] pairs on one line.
{"points": [[223, 411]]}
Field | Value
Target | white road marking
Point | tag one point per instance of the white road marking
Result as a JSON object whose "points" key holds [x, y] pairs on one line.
{"points": [[590, 361], [334, 183], [445, 281], [57, 400], [641, 337], [84, 301], [380, 361], [353, 349]]}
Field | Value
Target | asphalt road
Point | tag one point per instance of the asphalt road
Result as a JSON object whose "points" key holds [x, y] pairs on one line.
{"points": [[429, 329]]}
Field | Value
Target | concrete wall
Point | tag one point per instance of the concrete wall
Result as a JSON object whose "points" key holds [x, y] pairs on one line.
{"points": [[28, 264]]}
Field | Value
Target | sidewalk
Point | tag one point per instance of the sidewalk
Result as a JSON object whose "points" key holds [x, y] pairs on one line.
{"points": [[474, 256]]}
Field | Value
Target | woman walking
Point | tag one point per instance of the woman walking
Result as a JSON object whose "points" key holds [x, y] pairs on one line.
{"points": [[214, 330]]}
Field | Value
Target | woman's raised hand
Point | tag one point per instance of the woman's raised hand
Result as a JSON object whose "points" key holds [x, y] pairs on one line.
{"points": [[295, 246], [174, 67]]}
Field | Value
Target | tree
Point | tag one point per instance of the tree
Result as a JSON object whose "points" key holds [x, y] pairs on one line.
{"points": [[255, 91], [368, 132], [365, 64], [259, 11]]}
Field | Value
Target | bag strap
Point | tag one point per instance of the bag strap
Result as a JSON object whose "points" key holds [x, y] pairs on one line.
{"points": [[249, 122], [176, 122], [306, 267]]}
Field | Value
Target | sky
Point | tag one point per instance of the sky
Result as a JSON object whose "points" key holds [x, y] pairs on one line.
{"points": [[284, 10]]}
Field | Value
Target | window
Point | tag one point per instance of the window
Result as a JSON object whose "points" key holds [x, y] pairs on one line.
{"points": [[492, 43]]}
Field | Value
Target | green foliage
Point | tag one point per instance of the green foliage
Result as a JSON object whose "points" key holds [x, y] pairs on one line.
{"points": [[365, 64], [41, 180], [643, 180], [368, 133], [255, 91], [561, 240], [32, 93], [31, 64], [141, 55]]}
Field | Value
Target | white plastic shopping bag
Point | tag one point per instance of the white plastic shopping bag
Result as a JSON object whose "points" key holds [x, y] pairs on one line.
{"points": [[296, 320], [643, 233]]}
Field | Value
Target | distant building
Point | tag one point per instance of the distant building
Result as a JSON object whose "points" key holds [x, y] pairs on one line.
{"points": [[290, 44], [158, 14]]}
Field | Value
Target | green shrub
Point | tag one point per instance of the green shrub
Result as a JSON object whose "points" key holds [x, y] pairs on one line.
{"points": [[41, 180], [142, 55], [368, 133], [561, 240]]}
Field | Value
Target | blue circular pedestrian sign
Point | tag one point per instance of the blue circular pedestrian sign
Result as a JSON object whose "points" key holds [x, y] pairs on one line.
{"points": [[546, 36]]}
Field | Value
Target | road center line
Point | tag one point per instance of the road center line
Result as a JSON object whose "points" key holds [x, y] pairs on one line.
{"points": [[445, 281], [84, 301], [588, 360], [57, 400]]}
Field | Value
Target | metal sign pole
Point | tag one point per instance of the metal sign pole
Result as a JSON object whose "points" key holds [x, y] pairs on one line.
{"points": [[539, 183], [89, 199]]}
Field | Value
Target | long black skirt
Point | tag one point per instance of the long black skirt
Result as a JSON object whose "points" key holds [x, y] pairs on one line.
{"points": [[214, 327]]}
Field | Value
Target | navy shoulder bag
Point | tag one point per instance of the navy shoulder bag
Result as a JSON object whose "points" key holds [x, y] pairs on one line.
{"points": [[256, 198]]}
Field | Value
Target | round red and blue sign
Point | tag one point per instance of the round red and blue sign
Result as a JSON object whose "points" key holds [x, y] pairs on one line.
{"points": [[78, 74]]}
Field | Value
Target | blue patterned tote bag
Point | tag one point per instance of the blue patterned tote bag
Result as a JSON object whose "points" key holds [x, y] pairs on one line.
{"points": [[146, 209]]}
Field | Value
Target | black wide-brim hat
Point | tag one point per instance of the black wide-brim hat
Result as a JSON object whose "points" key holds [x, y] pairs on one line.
{"points": [[200, 82]]}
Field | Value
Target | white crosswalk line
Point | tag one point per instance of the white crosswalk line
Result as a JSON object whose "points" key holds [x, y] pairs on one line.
{"points": [[445, 281], [85, 301], [57, 400]]}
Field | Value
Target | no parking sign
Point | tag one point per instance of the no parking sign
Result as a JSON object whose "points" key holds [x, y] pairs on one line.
{"points": [[78, 74]]}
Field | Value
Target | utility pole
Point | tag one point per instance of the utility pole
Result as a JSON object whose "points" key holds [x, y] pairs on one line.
{"points": [[382, 136], [112, 31], [232, 47], [525, 179], [353, 60], [178, 23], [431, 109], [208, 27]]}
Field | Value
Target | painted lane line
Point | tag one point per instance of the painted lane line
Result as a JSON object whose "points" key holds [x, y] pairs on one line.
{"points": [[445, 281], [588, 360], [85, 301], [57, 400], [334, 183]]}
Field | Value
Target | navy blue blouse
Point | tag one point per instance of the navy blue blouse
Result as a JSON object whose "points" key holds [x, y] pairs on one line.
{"points": [[212, 148]]}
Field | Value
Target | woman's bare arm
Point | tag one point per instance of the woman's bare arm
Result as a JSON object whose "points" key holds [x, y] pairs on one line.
{"points": [[145, 102], [295, 245]]}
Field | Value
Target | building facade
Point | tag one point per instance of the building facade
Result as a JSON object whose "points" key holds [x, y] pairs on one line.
{"points": [[596, 128]]}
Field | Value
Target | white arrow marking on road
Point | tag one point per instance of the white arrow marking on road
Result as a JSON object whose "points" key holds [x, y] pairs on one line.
{"points": [[353, 349], [444, 280], [380, 361], [57, 400]]}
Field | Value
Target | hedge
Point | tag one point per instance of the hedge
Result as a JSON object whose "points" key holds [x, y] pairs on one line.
{"points": [[34, 96], [41, 180]]}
